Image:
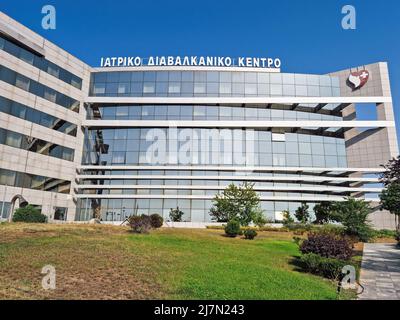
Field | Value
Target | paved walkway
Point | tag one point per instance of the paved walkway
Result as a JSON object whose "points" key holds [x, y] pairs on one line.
{"points": [[380, 272]]}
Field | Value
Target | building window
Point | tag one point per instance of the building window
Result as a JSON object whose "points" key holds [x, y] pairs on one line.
{"points": [[4, 209], [40, 63], [278, 137], [22, 82], [149, 87], [50, 94], [53, 70], [174, 87], [60, 213], [199, 88], [99, 88]]}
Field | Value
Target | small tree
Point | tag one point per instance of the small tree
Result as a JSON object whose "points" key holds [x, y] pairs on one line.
{"points": [[390, 197], [29, 214], [323, 212], [259, 219], [353, 215], [287, 218], [392, 173], [302, 214], [237, 202], [176, 215], [390, 200]]}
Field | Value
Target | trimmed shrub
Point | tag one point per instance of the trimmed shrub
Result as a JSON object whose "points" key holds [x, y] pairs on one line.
{"points": [[333, 229], [298, 228], [327, 245], [156, 221], [265, 228], [212, 227], [176, 215], [363, 233], [384, 233], [327, 267], [140, 224], [274, 229], [29, 214], [310, 262], [232, 228], [250, 234]]}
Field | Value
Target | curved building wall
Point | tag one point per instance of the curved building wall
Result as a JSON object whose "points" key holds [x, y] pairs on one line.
{"points": [[136, 166], [211, 84]]}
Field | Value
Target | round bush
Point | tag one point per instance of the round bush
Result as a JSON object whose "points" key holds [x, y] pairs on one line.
{"points": [[156, 221], [232, 228], [250, 234], [29, 214], [327, 245], [327, 267], [140, 224]]}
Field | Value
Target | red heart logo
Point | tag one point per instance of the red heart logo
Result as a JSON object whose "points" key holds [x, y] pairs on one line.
{"points": [[358, 79]]}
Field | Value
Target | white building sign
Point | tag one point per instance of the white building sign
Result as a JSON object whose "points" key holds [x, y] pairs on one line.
{"points": [[205, 61]]}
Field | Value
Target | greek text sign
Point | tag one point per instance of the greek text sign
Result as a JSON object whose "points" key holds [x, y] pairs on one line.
{"points": [[206, 61]]}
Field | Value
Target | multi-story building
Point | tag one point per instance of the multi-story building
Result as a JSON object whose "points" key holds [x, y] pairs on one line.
{"points": [[81, 142]]}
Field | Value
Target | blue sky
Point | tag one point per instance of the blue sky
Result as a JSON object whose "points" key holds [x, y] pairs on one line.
{"points": [[306, 35]]}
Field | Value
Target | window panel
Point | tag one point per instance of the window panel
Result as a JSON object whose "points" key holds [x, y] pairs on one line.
{"points": [[174, 87], [22, 82], [148, 87], [199, 88]]}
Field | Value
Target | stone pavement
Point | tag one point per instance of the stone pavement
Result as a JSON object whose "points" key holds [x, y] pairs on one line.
{"points": [[380, 272]]}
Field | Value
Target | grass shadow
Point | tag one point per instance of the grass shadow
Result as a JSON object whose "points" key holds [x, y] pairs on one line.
{"points": [[297, 264]]}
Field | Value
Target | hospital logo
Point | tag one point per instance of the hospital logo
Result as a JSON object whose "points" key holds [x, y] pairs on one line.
{"points": [[358, 79]]}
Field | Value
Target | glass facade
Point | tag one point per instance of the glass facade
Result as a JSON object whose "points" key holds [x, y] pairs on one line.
{"points": [[22, 141], [194, 210], [206, 112], [18, 80], [40, 62], [132, 146], [119, 193], [24, 112], [25, 180], [211, 84]]}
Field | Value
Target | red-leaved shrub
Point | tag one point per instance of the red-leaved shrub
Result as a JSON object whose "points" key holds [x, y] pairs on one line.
{"points": [[327, 245]]}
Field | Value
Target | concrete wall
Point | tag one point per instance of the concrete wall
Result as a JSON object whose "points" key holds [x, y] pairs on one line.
{"points": [[30, 162], [374, 147]]}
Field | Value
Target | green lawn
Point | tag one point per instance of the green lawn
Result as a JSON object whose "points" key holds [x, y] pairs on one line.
{"points": [[103, 262]]}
